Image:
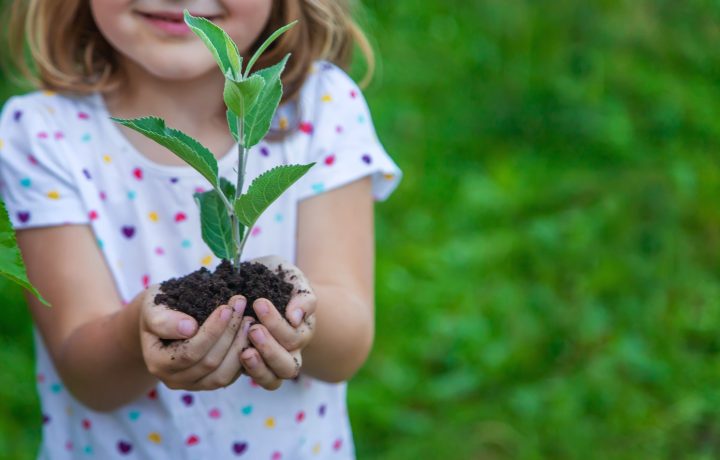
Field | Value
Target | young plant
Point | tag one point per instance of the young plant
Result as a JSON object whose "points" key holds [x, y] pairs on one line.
{"points": [[226, 214], [12, 266]]}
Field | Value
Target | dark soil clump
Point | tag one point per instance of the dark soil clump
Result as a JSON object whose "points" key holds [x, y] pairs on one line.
{"points": [[202, 291]]}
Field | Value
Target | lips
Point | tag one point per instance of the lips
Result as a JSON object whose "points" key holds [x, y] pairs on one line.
{"points": [[170, 22], [174, 16]]}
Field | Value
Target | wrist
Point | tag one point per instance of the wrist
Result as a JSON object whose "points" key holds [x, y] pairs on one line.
{"points": [[128, 319]]}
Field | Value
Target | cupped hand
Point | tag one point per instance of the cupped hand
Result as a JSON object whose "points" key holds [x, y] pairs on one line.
{"points": [[277, 342], [203, 358]]}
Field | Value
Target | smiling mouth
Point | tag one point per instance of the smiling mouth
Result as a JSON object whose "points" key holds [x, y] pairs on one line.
{"points": [[171, 23], [175, 17]]}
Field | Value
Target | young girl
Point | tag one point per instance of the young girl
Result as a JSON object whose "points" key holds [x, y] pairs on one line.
{"points": [[104, 215]]}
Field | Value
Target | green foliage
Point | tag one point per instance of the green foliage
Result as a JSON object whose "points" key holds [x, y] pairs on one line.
{"points": [[232, 122], [265, 189], [182, 145], [241, 96], [259, 118], [12, 266], [216, 226], [222, 47], [252, 101], [269, 41]]}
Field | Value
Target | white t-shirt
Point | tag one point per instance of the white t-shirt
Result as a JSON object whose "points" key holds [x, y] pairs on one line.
{"points": [[62, 161]]}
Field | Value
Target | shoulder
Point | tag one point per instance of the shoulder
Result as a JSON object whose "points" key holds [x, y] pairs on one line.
{"points": [[331, 102], [327, 82], [45, 108]]}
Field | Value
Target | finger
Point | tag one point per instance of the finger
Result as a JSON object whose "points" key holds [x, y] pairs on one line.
{"points": [[162, 322], [302, 304], [303, 299], [215, 356], [276, 357], [258, 371], [231, 368], [289, 337], [189, 352]]}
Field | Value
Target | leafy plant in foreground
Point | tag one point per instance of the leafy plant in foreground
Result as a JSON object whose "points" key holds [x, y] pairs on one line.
{"points": [[226, 214], [11, 262]]}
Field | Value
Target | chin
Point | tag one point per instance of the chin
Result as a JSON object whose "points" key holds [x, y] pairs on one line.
{"points": [[169, 68]]}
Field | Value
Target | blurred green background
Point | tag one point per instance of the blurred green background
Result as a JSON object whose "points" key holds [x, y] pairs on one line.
{"points": [[547, 272]]}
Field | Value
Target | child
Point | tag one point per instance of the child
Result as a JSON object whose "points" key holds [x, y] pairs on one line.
{"points": [[104, 215]]}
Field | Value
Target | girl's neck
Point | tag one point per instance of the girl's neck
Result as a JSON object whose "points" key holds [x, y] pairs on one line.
{"points": [[195, 107]]}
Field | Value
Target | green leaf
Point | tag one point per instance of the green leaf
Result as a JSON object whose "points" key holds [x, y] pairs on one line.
{"points": [[259, 117], [182, 145], [267, 43], [12, 266], [240, 96], [227, 188], [222, 47], [265, 189], [215, 224], [232, 121]]}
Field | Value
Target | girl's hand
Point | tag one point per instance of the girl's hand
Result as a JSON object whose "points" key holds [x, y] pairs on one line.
{"points": [[198, 359], [277, 345]]}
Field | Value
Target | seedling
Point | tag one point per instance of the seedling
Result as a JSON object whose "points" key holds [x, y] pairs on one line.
{"points": [[227, 215], [12, 266]]}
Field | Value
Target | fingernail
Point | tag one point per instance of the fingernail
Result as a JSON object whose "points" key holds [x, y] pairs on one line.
{"points": [[225, 314], [186, 327], [239, 305], [251, 361], [257, 336], [261, 307], [246, 326], [296, 316]]}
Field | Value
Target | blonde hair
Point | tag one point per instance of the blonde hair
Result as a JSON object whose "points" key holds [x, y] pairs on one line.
{"points": [[67, 53]]}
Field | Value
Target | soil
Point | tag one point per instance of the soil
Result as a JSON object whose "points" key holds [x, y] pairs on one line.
{"points": [[202, 291]]}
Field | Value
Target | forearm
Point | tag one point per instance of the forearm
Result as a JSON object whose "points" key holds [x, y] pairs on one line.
{"points": [[101, 361], [344, 332]]}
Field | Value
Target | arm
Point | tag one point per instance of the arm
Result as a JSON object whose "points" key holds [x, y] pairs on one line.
{"points": [[92, 340], [336, 251], [335, 254], [108, 355]]}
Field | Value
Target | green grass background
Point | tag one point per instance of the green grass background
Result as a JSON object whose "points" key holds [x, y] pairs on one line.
{"points": [[547, 274]]}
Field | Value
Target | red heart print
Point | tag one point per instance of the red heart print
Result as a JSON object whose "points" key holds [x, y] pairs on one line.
{"points": [[306, 127], [192, 440], [137, 172], [180, 217], [330, 159]]}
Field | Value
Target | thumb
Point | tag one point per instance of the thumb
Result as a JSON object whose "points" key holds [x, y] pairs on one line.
{"points": [[171, 324]]}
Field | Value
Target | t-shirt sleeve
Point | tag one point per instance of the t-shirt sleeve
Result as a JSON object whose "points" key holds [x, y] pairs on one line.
{"points": [[344, 145], [36, 180]]}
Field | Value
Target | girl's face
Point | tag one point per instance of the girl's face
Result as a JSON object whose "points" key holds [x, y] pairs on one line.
{"points": [[152, 34]]}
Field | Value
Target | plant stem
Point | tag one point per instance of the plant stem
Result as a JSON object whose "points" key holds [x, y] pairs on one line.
{"points": [[242, 161]]}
